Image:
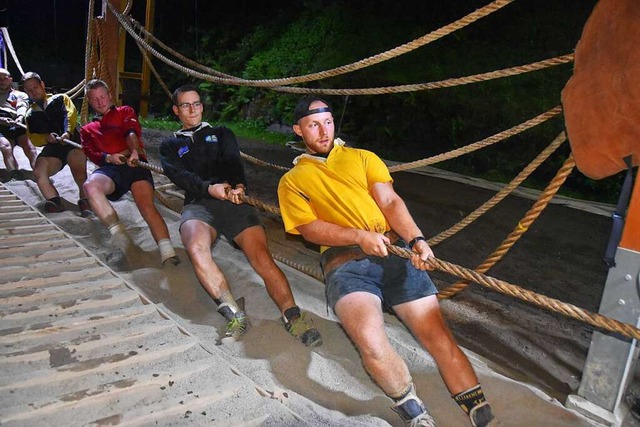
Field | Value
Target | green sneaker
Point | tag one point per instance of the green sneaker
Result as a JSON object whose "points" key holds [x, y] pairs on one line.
{"points": [[303, 331], [238, 325], [238, 321]]}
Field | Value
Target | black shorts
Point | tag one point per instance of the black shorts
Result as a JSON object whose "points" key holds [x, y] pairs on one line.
{"points": [[225, 217], [12, 132], [58, 151], [123, 176]]}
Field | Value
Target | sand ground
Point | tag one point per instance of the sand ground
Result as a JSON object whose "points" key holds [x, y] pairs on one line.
{"points": [[528, 359]]}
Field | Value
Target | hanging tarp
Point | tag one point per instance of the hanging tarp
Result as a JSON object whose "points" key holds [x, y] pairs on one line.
{"points": [[601, 101]]}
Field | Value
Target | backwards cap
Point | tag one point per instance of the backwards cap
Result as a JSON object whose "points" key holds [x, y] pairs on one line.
{"points": [[302, 108]]}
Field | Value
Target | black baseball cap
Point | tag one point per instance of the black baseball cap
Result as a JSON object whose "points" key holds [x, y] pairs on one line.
{"points": [[302, 108]]}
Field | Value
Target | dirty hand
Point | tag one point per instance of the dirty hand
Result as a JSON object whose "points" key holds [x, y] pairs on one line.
{"points": [[219, 191], [236, 195], [373, 243], [53, 138], [421, 253]]}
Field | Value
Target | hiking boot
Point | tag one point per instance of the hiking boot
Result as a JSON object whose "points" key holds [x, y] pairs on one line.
{"points": [[413, 412], [238, 321], [481, 415], [297, 325], [52, 207], [85, 208]]}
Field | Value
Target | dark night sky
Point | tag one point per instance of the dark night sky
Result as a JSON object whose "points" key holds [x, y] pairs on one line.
{"points": [[49, 35]]}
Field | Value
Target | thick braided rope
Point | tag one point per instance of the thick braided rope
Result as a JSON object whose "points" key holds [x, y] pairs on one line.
{"points": [[457, 81], [500, 195], [316, 273], [521, 228], [91, 65], [105, 74], [153, 70], [506, 288], [74, 91], [262, 162], [263, 206], [400, 50], [7, 39], [479, 144], [449, 155], [552, 304], [149, 36], [127, 8]]}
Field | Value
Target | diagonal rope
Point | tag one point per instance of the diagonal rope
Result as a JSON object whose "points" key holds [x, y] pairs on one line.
{"points": [[400, 50], [153, 70], [458, 81], [479, 144], [552, 304], [504, 192], [149, 36], [521, 228]]}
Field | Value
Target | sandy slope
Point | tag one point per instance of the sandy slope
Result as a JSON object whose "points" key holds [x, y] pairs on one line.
{"points": [[543, 353]]}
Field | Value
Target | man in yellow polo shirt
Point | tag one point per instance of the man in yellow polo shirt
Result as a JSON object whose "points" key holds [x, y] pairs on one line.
{"points": [[343, 199]]}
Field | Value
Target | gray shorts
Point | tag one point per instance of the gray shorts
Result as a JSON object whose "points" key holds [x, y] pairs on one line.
{"points": [[225, 217], [392, 279]]}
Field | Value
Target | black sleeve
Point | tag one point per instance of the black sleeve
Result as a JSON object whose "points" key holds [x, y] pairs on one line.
{"points": [[230, 158], [175, 170]]}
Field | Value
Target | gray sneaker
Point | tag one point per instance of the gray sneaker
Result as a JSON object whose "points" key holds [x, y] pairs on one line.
{"points": [[413, 412]]}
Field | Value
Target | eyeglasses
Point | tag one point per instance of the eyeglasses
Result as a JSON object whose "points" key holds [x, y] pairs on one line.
{"points": [[185, 106]]}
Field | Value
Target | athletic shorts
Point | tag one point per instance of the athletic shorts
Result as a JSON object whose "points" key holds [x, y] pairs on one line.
{"points": [[225, 217], [392, 279], [58, 151], [12, 132], [123, 176]]}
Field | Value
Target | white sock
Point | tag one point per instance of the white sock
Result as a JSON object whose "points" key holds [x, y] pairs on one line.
{"points": [[166, 249], [120, 238], [117, 228]]}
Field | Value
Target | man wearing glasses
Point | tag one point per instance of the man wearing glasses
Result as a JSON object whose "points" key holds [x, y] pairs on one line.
{"points": [[112, 141], [205, 162]]}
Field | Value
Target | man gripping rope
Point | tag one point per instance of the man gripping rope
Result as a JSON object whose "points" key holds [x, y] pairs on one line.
{"points": [[205, 162], [51, 119], [112, 141], [13, 107], [343, 199]]}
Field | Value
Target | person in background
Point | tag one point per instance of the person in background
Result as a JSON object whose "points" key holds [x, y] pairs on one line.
{"points": [[112, 141], [343, 199], [205, 162], [13, 107], [51, 119]]}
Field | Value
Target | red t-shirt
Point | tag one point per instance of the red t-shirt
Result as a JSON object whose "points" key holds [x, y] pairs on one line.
{"points": [[108, 134]]}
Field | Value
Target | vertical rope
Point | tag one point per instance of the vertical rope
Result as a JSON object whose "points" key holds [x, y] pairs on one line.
{"points": [[8, 43], [104, 73], [84, 110]]}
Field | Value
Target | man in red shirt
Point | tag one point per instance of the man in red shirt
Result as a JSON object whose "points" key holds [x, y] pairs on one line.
{"points": [[112, 141]]}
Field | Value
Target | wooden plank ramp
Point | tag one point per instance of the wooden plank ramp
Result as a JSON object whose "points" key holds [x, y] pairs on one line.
{"points": [[78, 346]]}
